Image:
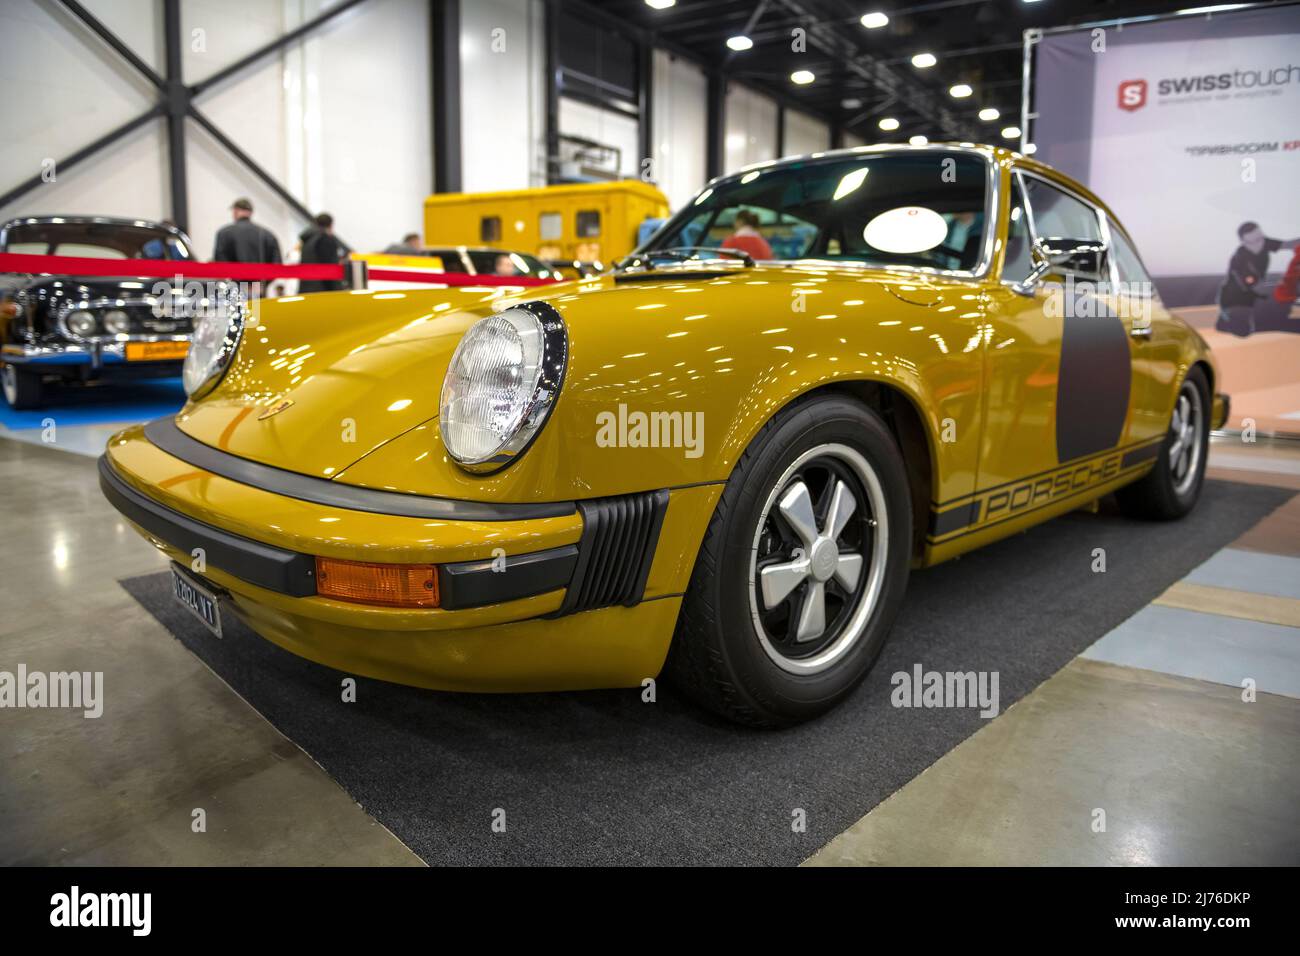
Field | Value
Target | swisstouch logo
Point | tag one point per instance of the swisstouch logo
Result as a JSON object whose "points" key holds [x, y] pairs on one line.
{"points": [[1132, 95]]}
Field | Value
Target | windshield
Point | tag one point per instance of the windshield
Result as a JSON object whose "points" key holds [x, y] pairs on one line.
{"points": [[97, 240], [923, 208]]}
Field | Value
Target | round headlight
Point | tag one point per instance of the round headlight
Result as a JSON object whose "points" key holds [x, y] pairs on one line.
{"points": [[212, 346], [117, 322], [82, 323], [502, 381]]}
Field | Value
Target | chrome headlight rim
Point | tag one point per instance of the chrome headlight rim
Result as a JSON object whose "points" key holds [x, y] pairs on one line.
{"points": [[553, 365], [236, 318]]}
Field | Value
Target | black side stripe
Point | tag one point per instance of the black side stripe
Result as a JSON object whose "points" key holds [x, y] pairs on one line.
{"points": [[1139, 455], [1136, 447]]}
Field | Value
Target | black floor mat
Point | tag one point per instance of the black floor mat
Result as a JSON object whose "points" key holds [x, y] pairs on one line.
{"points": [[600, 777]]}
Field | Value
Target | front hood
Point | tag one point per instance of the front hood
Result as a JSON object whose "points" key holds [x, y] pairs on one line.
{"points": [[321, 380], [346, 385]]}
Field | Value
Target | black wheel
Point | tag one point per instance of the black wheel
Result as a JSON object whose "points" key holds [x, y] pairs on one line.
{"points": [[23, 389], [1171, 488], [802, 569]]}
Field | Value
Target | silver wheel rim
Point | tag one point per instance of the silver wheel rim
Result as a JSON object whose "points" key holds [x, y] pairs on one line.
{"points": [[9, 380], [1185, 429], [824, 562]]}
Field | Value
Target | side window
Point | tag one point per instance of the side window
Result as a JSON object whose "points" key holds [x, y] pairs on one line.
{"points": [[588, 224], [489, 229], [1136, 292], [1019, 262], [1058, 215], [1130, 266]]}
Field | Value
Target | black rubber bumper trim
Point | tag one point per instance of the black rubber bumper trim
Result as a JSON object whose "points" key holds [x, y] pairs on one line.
{"points": [[467, 584], [1227, 409], [164, 433], [264, 565]]}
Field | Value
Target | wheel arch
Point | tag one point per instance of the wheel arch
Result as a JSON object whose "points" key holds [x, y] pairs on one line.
{"points": [[902, 414]]}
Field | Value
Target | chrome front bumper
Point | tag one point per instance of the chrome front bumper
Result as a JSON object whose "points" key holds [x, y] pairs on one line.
{"points": [[96, 354]]}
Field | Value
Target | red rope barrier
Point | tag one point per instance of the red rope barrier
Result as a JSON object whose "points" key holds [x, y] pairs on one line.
{"points": [[163, 268], [239, 271]]}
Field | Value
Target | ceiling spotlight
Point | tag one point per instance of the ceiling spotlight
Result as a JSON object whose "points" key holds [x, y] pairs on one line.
{"points": [[960, 91], [924, 60], [1030, 149], [989, 114], [874, 21], [802, 77], [739, 43], [661, 4], [852, 103], [918, 140], [888, 124], [1011, 132]]}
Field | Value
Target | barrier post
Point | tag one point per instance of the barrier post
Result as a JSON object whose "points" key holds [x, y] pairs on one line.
{"points": [[358, 274]]}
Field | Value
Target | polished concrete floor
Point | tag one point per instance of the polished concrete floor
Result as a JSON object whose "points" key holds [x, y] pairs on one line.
{"points": [[1142, 733], [123, 788]]}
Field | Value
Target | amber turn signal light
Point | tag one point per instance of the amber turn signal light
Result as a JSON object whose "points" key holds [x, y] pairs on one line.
{"points": [[387, 585]]}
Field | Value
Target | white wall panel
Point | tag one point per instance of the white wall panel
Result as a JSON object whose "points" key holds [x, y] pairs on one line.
{"points": [[605, 127], [805, 134], [680, 114], [341, 119], [64, 87], [751, 128], [503, 95]]}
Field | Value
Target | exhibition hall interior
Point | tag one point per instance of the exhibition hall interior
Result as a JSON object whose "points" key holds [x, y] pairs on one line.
{"points": [[783, 433]]}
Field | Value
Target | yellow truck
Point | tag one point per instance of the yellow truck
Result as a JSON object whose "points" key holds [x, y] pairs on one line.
{"points": [[586, 222]]}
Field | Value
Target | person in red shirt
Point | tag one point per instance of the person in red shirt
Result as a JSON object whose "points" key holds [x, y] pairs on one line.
{"points": [[1287, 289], [747, 238]]}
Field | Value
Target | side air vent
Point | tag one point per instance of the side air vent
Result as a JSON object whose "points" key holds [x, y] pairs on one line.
{"points": [[617, 546]]}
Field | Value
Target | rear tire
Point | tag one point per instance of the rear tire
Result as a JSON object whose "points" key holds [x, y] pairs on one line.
{"points": [[1171, 488], [802, 569], [22, 389]]}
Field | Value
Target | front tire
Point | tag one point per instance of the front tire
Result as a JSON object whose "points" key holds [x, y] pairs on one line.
{"points": [[1171, 488], [22, 389], [802, 569]]}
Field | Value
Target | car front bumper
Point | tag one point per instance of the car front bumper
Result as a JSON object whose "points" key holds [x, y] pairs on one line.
{"points": [[95, 354], [581, 599]]}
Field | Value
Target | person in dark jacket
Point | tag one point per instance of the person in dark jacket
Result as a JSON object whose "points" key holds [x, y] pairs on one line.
{"points": [[1245, 305], [245, 241], [321, 247]]}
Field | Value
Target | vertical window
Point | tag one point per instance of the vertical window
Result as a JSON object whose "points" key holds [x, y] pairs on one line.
{"points": [[1019, 262], [550, 226], [588, 224], [489, 229]]}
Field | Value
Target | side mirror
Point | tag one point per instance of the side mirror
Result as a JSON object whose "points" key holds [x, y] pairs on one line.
{"points": [[1070, 255]]}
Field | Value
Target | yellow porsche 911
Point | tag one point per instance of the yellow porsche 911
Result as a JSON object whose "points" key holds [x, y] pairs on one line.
{"points": [[719, 461]]}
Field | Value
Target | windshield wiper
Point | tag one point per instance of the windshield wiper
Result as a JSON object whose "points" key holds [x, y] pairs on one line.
{"points": [[682, 254]]}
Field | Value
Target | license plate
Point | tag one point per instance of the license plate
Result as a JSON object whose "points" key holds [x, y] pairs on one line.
{"points": [[156, 351], [197, 599]]}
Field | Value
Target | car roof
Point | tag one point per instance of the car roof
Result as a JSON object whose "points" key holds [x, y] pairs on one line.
{"points": [[93, 221]]}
